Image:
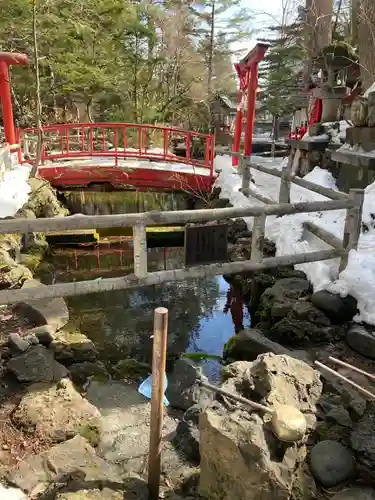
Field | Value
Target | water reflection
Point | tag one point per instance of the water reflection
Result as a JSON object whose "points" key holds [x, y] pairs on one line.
{"points": [[201, 319]]}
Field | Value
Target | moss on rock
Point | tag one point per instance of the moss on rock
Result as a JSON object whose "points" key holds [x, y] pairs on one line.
{"points": [[131, 369]]}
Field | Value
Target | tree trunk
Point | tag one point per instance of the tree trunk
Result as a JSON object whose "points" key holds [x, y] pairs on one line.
{"points": [[318, 30], [211, 50], [38, 103], [366, 38]]}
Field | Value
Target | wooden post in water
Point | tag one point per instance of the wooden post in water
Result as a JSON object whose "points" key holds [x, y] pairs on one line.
{"points": [[159, 354]]}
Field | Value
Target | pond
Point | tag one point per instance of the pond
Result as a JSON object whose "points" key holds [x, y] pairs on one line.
{"points": [[202, 312]]}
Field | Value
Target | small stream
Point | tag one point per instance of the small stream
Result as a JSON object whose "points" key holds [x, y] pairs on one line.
{"points": [[120, 322]]}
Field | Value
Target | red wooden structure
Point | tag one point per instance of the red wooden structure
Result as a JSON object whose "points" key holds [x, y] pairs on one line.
{"points": [[7, 59], [247, 71], [78, 155]]}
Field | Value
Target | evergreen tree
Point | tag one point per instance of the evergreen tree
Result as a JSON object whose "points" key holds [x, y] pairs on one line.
{"points": [[281, 70]]}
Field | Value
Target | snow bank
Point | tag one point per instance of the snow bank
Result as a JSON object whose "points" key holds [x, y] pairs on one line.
{"points": [[14, 189], [11, 494], [358, 279]]}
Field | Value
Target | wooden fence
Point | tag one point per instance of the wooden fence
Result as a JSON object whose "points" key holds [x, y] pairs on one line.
{"points": [[139, 222], [353, 220]]}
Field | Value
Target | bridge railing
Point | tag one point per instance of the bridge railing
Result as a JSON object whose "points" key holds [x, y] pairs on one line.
{"points": [[139, 222], [122, 140]]}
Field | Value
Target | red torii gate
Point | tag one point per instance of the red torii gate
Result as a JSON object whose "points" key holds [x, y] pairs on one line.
{"points": [[247, 71], [7, 59]]}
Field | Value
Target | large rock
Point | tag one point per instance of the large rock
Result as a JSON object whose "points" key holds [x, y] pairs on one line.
{"points": [[331, 463], [237, 447], [248, 344], [237, 461], [276, 380], [57, 412], [183, 385], [363, 439], [80, 372], [73, 347], [338, 309], [37, 364], [42, 199], [362, 340], [294, 332], [53, 312], [355, 494], [279, 300], [73, 456]]}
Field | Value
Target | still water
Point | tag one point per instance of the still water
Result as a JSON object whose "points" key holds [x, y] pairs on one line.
{"points": [[202, 312]]}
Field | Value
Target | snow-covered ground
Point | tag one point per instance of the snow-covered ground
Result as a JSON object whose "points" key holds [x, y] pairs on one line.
{"points": [[358, 279], [11, 494], [14, 189]]}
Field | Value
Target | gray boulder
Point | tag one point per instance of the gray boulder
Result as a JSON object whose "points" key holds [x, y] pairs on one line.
{"points": [[17, 343], [331, 463], [278, 301], [237, 447], [75, 456], [37, 364], [338, 309], [72, 347], [248, 344], [57, 412], [53, 312], [362, 439], [44, 333], [183, 385], [362, 339]]}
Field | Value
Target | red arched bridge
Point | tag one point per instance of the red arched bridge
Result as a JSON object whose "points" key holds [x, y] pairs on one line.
{"points": [[123, 156]]}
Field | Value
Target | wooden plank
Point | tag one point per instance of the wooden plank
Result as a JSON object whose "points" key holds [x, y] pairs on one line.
{"points": [[140, 250], [264, 199], [156, 278], [206, 244], [324, 235], [311, 186], [162, 218], [257, 239], [353, 223]]}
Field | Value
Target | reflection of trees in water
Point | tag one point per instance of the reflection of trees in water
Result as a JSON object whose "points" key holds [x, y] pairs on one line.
{"points": [[120, 322]]}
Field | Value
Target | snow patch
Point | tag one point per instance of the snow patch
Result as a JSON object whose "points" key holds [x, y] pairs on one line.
{"points": [[358, 279], [14, 189], [11, 494]]}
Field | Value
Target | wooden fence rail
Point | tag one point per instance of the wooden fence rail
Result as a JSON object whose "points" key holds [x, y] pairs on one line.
{"points": [[141, 277], [353, 216]]}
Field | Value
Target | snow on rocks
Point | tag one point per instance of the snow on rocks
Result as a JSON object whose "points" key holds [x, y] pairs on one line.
{"points": [[358, 279], [14, 189], [11, 494]]}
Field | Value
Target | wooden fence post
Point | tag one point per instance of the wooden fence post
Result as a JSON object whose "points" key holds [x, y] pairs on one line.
{"points": [[257, 239], [140, 250], [246, 174], [286, 178], [353, 224], [159, 355]]}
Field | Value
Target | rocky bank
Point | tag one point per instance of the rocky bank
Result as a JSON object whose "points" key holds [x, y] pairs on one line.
{"points": [[74, 428]]}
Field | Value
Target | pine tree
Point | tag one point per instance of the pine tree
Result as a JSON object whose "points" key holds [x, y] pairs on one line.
{"points": [[281, 71]]}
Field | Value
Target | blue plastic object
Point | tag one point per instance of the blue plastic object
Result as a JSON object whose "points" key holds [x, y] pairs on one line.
{"points": [[146, 388]]}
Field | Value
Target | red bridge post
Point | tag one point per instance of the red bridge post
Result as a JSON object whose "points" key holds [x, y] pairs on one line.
{"points": [[7, 59], [247, 71]]}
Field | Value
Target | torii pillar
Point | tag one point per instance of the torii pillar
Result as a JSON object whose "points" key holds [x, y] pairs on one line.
{"points": [[7, 59], [247, 71]]}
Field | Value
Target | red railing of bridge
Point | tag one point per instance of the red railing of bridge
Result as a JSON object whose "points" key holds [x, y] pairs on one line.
{"points": [[122, 140]]}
